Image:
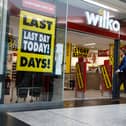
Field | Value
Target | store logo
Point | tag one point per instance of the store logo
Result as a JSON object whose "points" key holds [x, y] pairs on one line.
{"points": [[103, 21]]}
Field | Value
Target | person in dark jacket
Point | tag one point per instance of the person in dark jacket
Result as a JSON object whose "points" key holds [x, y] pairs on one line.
{"points": [[122, 70]]}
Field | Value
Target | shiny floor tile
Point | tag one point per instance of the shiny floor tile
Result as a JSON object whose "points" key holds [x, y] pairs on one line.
{"points": [[106, 115]]}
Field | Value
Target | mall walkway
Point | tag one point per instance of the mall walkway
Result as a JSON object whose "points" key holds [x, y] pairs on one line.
{"points": [[93, 114]]}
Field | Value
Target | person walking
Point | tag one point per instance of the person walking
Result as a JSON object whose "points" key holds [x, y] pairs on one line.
{"points": [[122, 70]]}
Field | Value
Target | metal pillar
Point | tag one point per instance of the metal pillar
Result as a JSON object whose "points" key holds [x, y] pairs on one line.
{"points": [[115, 90], [3, 17]]}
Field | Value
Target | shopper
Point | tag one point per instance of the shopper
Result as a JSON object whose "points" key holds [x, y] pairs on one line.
{"points": [[122, 70]]}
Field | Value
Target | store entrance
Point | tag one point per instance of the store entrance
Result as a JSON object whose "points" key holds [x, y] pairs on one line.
{"points": [[94, 66]]}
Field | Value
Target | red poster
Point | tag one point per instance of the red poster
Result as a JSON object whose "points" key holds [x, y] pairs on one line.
{"points": [[102, 53], [40, 6]]}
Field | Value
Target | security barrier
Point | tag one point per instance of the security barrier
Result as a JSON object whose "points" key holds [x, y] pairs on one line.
{"points": [[106, 77], [79, 78]]}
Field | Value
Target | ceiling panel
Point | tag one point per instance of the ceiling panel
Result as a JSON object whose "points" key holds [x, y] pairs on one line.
{"points": [[82, 39], [117, 4]]}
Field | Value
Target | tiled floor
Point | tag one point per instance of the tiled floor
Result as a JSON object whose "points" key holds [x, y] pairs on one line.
{"points": [[106, 115], [88, 112]]}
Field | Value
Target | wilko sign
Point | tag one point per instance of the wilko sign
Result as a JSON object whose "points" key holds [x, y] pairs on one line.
{"points": [[103, 21]]}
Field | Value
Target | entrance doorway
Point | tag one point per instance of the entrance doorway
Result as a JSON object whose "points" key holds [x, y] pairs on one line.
{"points": [[99, 63]]}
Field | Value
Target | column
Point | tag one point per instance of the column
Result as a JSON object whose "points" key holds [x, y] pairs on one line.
{"points": [[3, 17], [115, 90]]}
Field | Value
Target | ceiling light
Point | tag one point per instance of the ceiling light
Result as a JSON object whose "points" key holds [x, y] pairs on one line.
{"points": [[92, 47], [89, 44], [101, 5]]}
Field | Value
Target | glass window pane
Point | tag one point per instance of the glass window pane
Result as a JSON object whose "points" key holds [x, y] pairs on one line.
{"points": [[35, 51]]}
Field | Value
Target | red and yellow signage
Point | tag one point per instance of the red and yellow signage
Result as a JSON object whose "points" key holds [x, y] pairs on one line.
{"points": [[68, 58], [79, 78], [106, 77]]}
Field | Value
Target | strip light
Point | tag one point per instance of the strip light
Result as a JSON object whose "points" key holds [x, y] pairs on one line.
{"points": [[89, 44], [101, 5]]}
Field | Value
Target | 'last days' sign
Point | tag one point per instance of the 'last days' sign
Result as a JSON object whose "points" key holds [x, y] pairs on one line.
{"points": [[36, 43]]}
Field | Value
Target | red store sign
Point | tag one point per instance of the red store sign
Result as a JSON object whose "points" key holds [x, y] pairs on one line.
{"points": [[40, 6], [102, 53]]}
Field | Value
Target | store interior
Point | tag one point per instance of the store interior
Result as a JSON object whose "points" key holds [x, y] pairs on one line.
{"points": [[99, 52]]}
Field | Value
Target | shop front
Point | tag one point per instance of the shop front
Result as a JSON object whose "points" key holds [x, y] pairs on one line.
{"points": [[34, 39], [94, 22]]}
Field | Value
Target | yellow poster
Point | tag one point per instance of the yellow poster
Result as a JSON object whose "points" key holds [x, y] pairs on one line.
{"points": [[111, 54], [68, 58], [80, 52], [36, 43]]}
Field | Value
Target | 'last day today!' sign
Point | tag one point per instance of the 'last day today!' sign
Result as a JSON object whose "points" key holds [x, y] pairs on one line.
{"points": [[35, 43]]}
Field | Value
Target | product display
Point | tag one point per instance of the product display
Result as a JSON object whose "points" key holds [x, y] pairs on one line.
{"points": [[36, 85], [23, 82], [13, 71]]}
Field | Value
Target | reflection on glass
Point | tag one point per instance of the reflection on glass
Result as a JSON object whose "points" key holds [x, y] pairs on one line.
{"points": [[25, 86]]}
